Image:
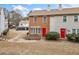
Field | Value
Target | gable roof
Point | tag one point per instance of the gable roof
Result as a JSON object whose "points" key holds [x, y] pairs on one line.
{"points": [[54, 12]]}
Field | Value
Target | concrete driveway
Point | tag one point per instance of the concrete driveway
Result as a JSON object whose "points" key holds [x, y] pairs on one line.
{"points": [[19, 36]]}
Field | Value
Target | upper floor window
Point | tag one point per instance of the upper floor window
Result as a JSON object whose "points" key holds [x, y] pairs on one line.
{"points": [[76, 18], [64, 18], [44, 19], [35, 19]]}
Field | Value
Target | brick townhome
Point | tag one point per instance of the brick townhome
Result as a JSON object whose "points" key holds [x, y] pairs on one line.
{"points": [[61, 20], [39, 24]]}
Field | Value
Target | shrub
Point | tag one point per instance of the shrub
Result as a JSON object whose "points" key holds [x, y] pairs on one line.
{"points": [[70, 37], [73, 37], [77, 38], [5, 32], [52, 36], [33, 37]]}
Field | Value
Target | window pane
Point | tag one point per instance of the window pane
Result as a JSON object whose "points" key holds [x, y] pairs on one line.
{"points": [[75, 18], [77, 31], [35, 19], [37, 30], [44, 19], [33, 30], [64, 19], [74, 31]]}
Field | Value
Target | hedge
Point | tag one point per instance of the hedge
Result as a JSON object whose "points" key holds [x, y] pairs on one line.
{"points": [[52, 36]]}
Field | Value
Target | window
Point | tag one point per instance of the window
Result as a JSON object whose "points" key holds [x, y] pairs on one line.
{"points": [[75, 18], [77, 31], [73, 31], [35, 19], [33, 30], [64, 19], [44, 19], [37, 30]]}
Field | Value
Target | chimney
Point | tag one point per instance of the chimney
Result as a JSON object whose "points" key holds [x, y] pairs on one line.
{"points": [[48, 8], [60, 7]]}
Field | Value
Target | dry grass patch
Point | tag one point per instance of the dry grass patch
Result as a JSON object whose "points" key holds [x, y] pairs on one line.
{"points": [[40, 48], [11, 34]]}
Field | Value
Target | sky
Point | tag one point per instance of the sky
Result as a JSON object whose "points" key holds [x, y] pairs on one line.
{"points": [[25, 8]]}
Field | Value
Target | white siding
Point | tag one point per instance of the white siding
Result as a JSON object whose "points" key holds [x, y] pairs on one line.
{"points": [[56, 23], [3, 22], [0, 24]]}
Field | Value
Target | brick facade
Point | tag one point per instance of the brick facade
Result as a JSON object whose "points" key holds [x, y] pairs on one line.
{"points": [[39, 23]]}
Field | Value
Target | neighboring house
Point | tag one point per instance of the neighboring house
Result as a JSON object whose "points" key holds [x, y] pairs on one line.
{"points": [[3, 20], [61, 20], [65, 21], [39, 23], [23, 24]]}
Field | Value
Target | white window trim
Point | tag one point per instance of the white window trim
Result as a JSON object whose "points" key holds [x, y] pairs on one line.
{"points": [[32, 32], [66, 19], [78, 18], [35, 30], [75, 31], [34, 19], [38, 32], [43, 19]]}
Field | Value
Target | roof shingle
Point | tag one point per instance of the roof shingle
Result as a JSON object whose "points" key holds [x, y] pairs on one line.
{"points": [[55, 12]]}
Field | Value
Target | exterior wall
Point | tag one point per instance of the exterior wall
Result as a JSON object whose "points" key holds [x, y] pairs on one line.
{"points": [[56, 22], [23, 24], [3, 22], [0, 23], [39, 23]]}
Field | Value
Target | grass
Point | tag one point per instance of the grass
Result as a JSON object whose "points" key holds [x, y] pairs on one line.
{"points": [[11, 34], [39, 48]]}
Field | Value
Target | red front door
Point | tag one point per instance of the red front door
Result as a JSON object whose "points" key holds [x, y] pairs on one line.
{"points": [[62, 32], [43, 32]]}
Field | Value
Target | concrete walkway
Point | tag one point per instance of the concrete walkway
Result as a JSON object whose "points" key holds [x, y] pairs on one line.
{"points": [[15, 38], [19, 38]]}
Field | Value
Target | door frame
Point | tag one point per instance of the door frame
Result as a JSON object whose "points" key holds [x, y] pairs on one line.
{"points": [[42, 31], [64, 32]]}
